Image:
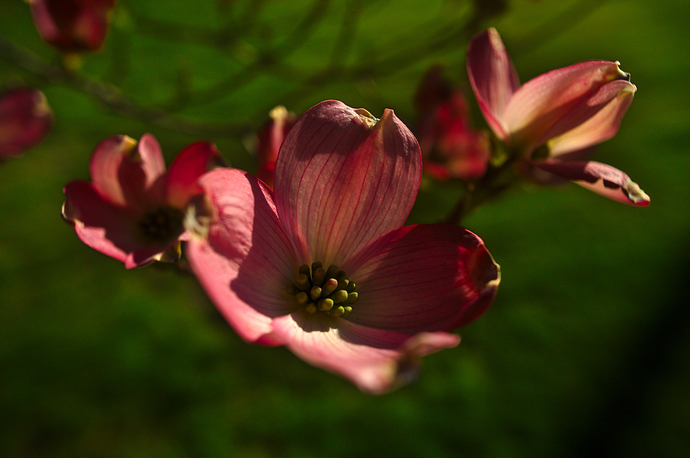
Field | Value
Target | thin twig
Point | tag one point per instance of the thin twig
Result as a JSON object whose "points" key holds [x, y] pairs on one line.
{"points": [[112, 97]]}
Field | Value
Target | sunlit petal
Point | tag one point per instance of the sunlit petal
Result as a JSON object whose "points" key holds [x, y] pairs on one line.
{"points": [[493, 78], [541, 102], [343, 178], [246, 261], [598, 128]]}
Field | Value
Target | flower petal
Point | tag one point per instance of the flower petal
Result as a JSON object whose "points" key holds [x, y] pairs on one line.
{"points": [[25, 119], [127, 173], [342, 179], [423, 278], [600, 178], [601, 126], [246, 262], [108, 228], [374, 360], [192, 162], [544, 100], [493, 78]]}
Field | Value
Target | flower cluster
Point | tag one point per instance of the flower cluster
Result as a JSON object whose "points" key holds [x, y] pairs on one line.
{"points": [[313, 254]]}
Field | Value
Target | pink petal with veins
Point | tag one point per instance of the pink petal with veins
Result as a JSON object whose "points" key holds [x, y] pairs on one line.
{"points": [[343, 178], [246, 262], [547, 99], [493, 78], [423, 278], [598, 128]]}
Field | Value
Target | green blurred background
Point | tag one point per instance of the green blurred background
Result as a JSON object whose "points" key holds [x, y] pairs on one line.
{"points": [[585, 352]]}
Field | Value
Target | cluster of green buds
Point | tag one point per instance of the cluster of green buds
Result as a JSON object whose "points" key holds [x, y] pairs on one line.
{"points": [[328, 290]]}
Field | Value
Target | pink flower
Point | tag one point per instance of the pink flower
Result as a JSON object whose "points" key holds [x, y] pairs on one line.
{"points": [[549, 119], [323, 265], [25, 119], [270, 138], [133, 211], [73, 25], [450, 147]]}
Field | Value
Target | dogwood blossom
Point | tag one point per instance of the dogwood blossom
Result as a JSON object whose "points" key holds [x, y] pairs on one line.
{"points": [[552, 118], [324, 265], [132, 210]]}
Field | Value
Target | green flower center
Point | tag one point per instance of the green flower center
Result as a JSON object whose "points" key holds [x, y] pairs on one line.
{"points": [[162, 223], [326, 290]]}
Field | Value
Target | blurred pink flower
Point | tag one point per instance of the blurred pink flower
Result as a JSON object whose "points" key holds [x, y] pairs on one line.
{"points": [[549, 119], [270, 138], [323, 265], [73, 25], [25, 119], [133, 211], [450, 147]]}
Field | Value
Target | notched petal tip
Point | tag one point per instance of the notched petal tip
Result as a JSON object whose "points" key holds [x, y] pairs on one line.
{"points": [[199, 216], [127, 145], [628, 89], [636, 195], [495, 39], [484, 271], [367, 118], [484, 275], [601, 178], [621, 74], [67, 213], [70, 211]]}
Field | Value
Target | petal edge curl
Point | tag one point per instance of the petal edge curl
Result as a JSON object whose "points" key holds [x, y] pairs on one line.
{"points": [[376, 361], [433, 277]]}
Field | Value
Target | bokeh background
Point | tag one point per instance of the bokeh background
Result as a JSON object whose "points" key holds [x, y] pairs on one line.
{"points": [[585, 352]]}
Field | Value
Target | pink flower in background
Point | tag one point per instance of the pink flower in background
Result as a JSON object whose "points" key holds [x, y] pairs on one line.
{"points": [[73, 25], [324, 266], [133, 211], [270, 138], [551, 118], [25, 119], [450, 147]]}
